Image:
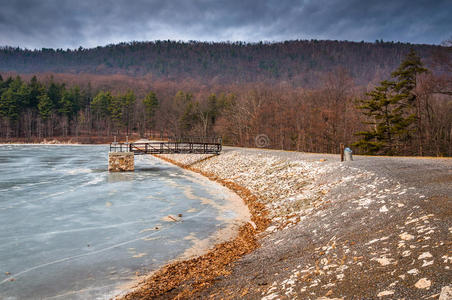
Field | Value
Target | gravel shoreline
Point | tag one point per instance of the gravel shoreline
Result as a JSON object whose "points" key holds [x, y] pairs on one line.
{"points": [[182, 279], [373, 228]]}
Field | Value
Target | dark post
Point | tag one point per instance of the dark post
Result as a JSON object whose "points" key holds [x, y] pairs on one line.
{"points": [[342, 151]]}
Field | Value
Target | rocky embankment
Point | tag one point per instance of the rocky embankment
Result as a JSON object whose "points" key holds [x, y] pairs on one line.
{"points": [[372, 228]]}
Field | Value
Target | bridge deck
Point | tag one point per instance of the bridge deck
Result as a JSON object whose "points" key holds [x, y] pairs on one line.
{"points": [[168, 147]]}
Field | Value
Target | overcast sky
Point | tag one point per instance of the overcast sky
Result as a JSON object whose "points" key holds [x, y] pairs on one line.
{"points": [[74, 23]]}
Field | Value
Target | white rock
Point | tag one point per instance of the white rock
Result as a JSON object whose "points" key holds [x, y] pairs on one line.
{"points": [[413, 271], [385, 293], [446, 293], [271, 228], [427, 263], [424, 255], [447, 259], [406, 236], [383, 261], [423, 283], [383, 209], [406, 253], [253, 224]]}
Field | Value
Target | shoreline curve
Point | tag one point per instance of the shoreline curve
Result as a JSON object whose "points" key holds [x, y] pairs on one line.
{"points": [[194, 271]]}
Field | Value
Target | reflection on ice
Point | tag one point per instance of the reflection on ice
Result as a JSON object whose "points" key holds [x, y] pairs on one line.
{"points": [[120, 177]]}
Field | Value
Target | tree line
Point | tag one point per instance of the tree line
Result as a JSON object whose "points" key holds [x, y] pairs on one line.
{"points": [[52, 109], [407, 114], [34, 109], [299, 62]]}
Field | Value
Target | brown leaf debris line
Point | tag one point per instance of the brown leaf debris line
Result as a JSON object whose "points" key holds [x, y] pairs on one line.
{"points": [[182, 279]]}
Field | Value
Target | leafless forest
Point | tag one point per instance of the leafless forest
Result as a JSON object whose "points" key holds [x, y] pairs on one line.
{"points": [[311, 109]]}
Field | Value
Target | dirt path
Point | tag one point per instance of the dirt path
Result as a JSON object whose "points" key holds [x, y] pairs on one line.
{"points": [[373, 228]]}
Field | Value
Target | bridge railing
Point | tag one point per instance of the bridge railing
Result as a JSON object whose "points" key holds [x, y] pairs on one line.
{"points": [[196, 145], [119, 147], [196, 139]]}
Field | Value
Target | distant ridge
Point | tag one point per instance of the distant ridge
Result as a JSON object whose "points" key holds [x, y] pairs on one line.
{"points": [[300, 62]]}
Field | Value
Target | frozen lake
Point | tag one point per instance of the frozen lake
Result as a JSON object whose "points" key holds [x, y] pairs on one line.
{"points": [[72, 230]]}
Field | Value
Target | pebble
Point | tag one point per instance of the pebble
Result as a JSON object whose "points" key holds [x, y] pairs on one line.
{"points": [[446, 293], [423, 283], [385, 293], [413, 271], [424, 255], [383, 209], [406, 236]]}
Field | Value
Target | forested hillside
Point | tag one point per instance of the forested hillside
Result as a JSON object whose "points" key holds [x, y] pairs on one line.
{"points": [[379, 98], [299, 62]]}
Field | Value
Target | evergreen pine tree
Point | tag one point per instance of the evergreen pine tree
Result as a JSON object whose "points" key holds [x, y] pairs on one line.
{"points": [[391, 110], [45, 106], [115, 109], [66, 105], [150, 103], [408, 104], [36, 89], [101, 103], [128, 104], [14, 99]]}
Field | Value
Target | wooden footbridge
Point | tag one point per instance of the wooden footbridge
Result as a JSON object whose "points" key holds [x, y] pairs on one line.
{"points": [[121, 155], [184, 145]]}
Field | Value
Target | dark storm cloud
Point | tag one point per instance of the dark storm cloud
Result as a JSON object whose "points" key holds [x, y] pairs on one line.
{"points": [[71, 23]]}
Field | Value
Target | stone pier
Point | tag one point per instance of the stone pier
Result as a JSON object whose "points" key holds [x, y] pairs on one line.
{"points": [[121, 161]]}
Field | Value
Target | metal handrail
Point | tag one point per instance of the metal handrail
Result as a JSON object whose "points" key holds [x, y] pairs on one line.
{"points": [[198, 145]]}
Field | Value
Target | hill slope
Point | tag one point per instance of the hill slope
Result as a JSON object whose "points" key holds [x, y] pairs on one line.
{"points": [[300, 62]]}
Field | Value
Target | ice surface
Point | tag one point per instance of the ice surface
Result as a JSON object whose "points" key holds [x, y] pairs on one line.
{"points": [[71, 230]]}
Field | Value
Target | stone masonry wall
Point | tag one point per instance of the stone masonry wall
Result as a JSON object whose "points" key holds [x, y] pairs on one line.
{"points": [[121, 161]]}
